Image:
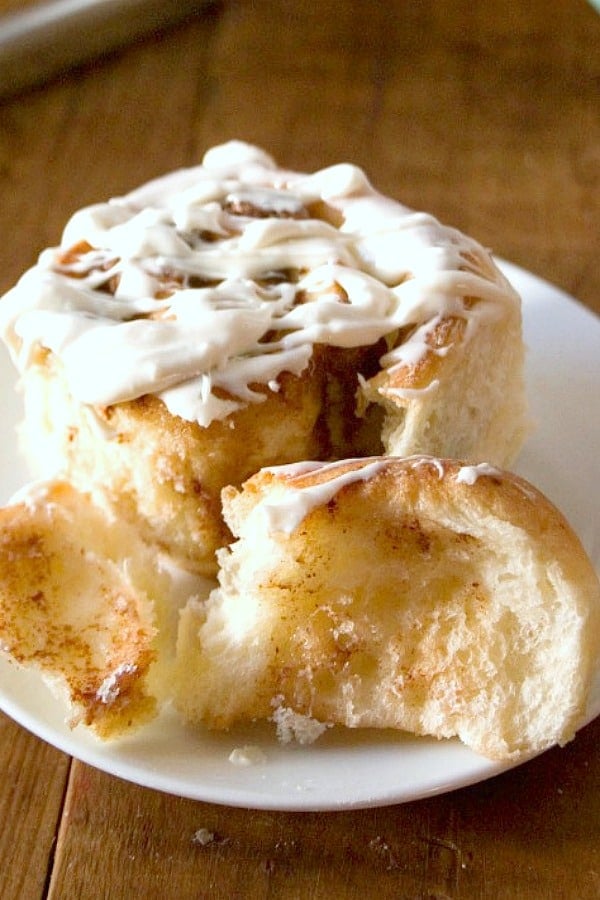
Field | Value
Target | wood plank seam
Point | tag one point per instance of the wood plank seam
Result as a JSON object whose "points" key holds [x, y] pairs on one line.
{"points": [[58, 829]]}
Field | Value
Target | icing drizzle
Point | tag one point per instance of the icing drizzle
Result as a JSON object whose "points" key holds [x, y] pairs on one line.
{"points": [[287, 508], [211, 281]]}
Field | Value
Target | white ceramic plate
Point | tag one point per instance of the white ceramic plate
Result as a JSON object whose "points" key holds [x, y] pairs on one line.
{"points": [[346, 769]]}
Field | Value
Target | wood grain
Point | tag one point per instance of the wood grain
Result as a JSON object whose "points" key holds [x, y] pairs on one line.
{"points": [[491, 122], [13, 6], [485, 114], [34, 778], [485, 841]]}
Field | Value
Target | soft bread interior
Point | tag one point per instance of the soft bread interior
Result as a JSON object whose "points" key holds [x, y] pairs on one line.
{"points": [[412, 599], [465, 397], [162, 474], [86, 603]]}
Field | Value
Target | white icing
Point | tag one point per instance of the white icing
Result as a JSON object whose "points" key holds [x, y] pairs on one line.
{"points": [[433, 461], [470, 474], [287, 505], [303, 467], [285, 512], [182, 286]]}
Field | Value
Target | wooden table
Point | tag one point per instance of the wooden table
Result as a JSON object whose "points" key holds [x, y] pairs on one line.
{"points": [[483, 113]]}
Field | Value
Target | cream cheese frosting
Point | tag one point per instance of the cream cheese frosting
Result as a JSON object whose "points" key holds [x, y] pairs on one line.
{"points": [[207, 282]]}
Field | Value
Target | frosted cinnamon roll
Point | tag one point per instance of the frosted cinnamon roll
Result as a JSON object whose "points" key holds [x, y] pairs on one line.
{"points": [[236, 315]]}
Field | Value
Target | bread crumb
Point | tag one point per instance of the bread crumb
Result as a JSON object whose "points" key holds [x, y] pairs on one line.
{"points": [[110, 688], [293, 726], [247, 755], [203, 837]]}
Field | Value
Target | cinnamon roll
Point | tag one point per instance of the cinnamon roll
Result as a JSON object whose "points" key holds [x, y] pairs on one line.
{"points": [[236, 315]]}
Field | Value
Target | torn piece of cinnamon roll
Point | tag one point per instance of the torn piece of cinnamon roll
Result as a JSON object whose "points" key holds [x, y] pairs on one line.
{"points": [[421, 594]]}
